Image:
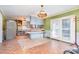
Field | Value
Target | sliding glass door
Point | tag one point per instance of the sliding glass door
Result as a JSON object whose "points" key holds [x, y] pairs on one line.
{"points": [[55, 29], [63, 29], [66, 29]]}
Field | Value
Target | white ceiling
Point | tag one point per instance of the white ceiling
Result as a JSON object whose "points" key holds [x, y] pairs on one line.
{"points": [[25, 10]]}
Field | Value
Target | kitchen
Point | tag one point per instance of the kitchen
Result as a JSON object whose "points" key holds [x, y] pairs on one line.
{"points": [[31, 26], [26, 29]]}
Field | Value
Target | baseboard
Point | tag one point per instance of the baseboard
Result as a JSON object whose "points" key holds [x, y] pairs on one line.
{"points": [[60, 41]]}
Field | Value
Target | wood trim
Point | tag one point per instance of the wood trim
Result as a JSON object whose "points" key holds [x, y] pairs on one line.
{"points": [[76, 31]]}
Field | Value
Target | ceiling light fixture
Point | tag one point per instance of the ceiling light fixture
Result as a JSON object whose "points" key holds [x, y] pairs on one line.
{"points": [[42, 14]]}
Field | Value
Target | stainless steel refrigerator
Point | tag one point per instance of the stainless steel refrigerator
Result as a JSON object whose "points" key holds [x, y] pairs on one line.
{"points": [[11, 30]]}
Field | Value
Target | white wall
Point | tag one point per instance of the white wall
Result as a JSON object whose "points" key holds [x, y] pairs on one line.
{"points": [[1, 32]]}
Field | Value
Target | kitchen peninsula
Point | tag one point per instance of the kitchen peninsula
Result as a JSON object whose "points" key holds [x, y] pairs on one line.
{"points": [[34, 28]]}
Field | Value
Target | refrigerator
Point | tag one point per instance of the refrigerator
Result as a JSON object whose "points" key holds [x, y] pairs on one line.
{"points": [[11, 30]]}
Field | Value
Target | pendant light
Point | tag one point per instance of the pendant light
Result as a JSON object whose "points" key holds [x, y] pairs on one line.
{"points": [[42, 14]]}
